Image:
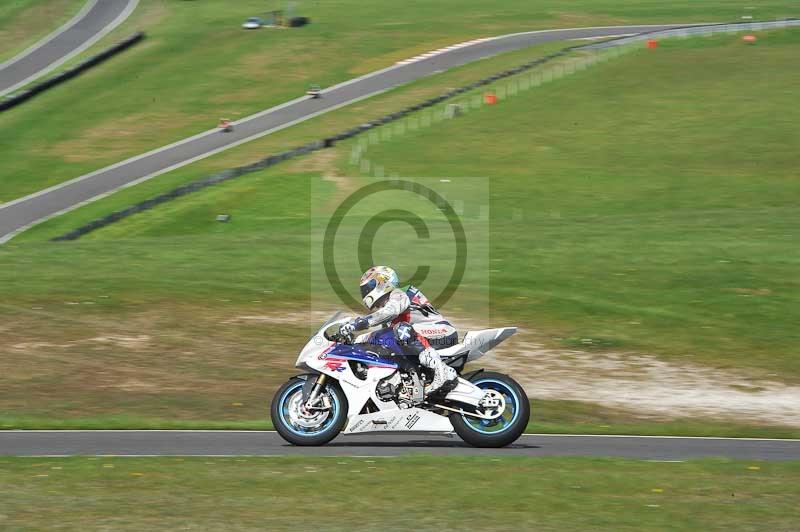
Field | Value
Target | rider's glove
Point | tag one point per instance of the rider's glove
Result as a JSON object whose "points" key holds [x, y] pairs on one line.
{"points": [[346, 330], [358, 324]]}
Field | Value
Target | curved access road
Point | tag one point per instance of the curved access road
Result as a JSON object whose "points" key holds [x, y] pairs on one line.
{"points": [[95, 19], [269, 443], [18, 215]]}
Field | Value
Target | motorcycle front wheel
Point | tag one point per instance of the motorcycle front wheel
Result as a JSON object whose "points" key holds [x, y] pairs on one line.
{"points": [[507, 404], [300, 426]]}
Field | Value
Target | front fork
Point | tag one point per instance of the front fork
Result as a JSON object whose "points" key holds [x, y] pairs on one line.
{"points": [[316, 388]]}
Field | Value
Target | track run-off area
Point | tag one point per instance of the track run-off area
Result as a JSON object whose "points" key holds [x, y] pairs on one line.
{"points": [[269, 443]]}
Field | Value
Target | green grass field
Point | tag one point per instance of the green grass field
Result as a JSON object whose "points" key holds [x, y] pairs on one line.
{"points": [[647, 204], [23, 22], [198, 65], [647, 213], [325, 125], [249, 493]]}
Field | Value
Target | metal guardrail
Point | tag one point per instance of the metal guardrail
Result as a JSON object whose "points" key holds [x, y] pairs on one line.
{"points": [[698, 30]]}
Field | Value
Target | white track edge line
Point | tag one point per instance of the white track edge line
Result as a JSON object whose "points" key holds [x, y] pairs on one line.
{"points": [[47, 38], [102, 33], [189, 139], [666, 26], [605, 37], [632, 436], [58, 431], [7, 237], [529, 434], [142, 156], [200, 455]]}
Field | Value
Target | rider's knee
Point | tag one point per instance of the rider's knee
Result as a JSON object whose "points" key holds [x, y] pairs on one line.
{"points": [[429, 357]]}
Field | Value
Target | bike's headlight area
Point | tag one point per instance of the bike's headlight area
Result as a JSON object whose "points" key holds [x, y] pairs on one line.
{"points": [[315, 345]]}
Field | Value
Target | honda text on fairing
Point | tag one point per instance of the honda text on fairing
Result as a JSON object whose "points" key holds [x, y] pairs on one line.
{"points": [[365, 386]]}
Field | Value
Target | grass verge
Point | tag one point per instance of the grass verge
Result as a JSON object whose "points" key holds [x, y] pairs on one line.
{"points": [[643, 205], [249, 493]]}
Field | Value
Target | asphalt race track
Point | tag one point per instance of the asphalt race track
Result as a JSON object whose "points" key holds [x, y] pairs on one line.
{"points": [[97, 18], [268, 443], [17, 215]]}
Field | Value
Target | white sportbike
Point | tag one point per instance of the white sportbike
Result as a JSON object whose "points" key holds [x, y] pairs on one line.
{"points": [[366, 386]]}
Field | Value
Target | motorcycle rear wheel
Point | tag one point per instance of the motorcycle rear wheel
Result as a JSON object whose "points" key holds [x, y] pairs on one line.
{"points": [[503, 430], [300, 428]]}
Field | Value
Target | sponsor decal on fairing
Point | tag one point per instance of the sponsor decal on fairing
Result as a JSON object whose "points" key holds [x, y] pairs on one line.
{"points": [[411, 420]]}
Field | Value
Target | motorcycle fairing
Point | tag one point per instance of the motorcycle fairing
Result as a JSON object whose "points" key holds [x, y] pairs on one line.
{"points": [[331, 359], [476, 343], [400, 420]]}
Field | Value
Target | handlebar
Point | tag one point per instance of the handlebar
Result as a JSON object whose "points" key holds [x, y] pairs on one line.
{"points": [[335, 336]]}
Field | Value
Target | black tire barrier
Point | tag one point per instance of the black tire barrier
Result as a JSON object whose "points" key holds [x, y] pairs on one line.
{"points": [[296, 22], [23, 96], [189, 188]]}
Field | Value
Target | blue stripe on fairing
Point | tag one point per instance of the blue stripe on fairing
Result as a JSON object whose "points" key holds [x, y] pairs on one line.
{"points": [[348, 353]]}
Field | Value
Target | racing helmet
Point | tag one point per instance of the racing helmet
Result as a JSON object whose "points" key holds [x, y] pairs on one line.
{"points": [[377, 282]]}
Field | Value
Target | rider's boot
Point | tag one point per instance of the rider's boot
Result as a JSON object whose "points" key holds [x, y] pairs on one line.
{"points": [[445, 378]]}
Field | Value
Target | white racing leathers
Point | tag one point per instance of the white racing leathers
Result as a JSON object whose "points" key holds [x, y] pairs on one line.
{"points": [[433, 331]]}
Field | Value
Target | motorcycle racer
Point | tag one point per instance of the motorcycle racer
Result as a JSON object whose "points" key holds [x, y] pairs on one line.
{"points": [[417, 324]]}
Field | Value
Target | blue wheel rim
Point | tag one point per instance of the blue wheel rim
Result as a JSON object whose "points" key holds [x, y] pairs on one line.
{"points": [[509, 415], [286, 421]]}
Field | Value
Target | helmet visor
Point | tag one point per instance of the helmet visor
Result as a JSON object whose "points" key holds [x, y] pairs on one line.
{"points": [[368, 287]]}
